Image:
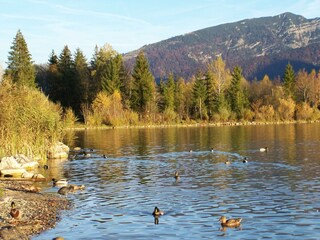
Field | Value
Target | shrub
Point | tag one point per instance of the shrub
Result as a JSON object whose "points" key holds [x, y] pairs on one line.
{"points": [[304, 112], [286, 109], [69, 118]]}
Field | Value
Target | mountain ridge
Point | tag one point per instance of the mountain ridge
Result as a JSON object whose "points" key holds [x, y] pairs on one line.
{"points": [[257, 45]]}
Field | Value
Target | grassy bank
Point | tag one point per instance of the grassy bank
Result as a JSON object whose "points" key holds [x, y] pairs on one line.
{"points": [[29, 121]]}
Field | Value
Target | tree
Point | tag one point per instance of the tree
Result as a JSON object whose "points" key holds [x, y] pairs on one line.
{"points": [[168, 93], [303, 86], [289, 81], [143, 92], [68, 86], [180, 99], [82, 79], [20, 65], [199, 94], [112, 77], [218, 78], [236, 93]]}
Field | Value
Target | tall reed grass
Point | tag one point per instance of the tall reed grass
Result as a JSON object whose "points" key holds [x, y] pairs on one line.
{"points": [[29, 122]]}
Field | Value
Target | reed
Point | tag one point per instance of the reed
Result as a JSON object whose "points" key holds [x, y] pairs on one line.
{"points": [[29, 121]]}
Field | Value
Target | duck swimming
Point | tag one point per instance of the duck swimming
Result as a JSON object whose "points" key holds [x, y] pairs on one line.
{"points": [[60, 183], [14, 212], [233, 222], [227, 162], [264, 149], [176, 175], [157, 212]]}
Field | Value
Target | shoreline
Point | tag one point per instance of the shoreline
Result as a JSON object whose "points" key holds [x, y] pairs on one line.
{"points": [[39, 211], [185, 125]]}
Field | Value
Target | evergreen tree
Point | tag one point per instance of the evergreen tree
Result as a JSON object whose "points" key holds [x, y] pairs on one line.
{"points": [[180, 99], [68, 85], [143, 92], [169, 93], [82, 79], [289, 81], [20, 65], [237, 97], [112, 77], [199, 94]]}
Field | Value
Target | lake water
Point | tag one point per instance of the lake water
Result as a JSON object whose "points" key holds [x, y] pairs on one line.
{"points": [[276, 193]]}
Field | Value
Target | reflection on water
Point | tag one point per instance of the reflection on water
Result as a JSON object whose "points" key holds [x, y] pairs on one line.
{"points": [[276, 193]]}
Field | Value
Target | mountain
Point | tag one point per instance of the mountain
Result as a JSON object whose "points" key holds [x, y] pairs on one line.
{"points": [[259, 46]]}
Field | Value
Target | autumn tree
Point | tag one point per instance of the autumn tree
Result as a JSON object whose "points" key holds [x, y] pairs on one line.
{"points": [[218, 81], [199, 94], [303, 86], [20, 65], [143, 92]]}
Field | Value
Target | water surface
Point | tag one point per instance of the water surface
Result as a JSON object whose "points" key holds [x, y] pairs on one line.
{"points": [[276, 193]]}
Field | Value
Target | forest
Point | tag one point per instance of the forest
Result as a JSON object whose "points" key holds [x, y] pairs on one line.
{"points": [[105, 91]]}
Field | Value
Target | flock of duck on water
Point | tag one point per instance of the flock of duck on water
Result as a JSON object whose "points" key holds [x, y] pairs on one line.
{"points": [[66, 188]]}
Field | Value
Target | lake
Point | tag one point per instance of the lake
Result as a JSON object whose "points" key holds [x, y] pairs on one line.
{"points": [[276, 193]]}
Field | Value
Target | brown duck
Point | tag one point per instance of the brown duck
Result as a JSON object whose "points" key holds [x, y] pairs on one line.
{"points": [[14, 212], [233, 222]]}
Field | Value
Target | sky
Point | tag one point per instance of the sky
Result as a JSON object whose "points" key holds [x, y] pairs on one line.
{"points": [[126, 25]]}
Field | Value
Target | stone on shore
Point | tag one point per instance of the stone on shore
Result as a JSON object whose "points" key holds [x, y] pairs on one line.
{"points": [[58, 151]]}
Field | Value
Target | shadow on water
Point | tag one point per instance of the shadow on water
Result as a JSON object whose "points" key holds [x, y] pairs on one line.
{"points": [[275, 192]]}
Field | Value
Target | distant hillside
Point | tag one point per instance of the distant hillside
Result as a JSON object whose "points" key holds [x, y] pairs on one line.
{"points": [[260, 46]]}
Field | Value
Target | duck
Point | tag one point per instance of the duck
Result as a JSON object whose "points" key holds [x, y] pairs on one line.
{"points": [[264, 149], [157, 212], [212, 150], [75, 187], [190, 151], [232, 222], [64, 190], [14, 212], [245, 160], [176, 175], [227, 162], [61, 183]]}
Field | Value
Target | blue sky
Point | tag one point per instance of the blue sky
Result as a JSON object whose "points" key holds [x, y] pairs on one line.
{"points": [[124, 24]]}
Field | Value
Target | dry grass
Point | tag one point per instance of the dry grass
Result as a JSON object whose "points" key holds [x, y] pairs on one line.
{"points": [[29, 121]]}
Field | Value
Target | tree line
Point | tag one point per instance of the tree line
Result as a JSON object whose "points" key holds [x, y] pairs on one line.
{"points": [[106, 91]]}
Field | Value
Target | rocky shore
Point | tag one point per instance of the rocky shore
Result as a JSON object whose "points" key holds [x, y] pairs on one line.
{"points": [[39, 211]]}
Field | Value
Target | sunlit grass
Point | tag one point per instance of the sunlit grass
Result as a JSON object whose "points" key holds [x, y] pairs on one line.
{"points": [[29, 121]]}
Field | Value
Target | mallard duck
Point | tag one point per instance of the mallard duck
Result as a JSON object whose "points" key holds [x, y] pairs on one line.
{"points": [[60, 183], [14, 212], [227, 162], [212, 150], [190, 151], [233, 222], [64, 190], [245, 160], [157, 212], [176, 175], [75, 187], [264, 149]]}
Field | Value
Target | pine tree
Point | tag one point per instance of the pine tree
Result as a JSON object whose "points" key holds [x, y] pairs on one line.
{"points": [[82, 79], [236, 93], [143, 92], [168, 93], [67, 81], [112, 77], [20, 65], [289, 81]]}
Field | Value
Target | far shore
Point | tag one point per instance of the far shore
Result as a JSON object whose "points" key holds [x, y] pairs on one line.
{"points": [[184, 125]]}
